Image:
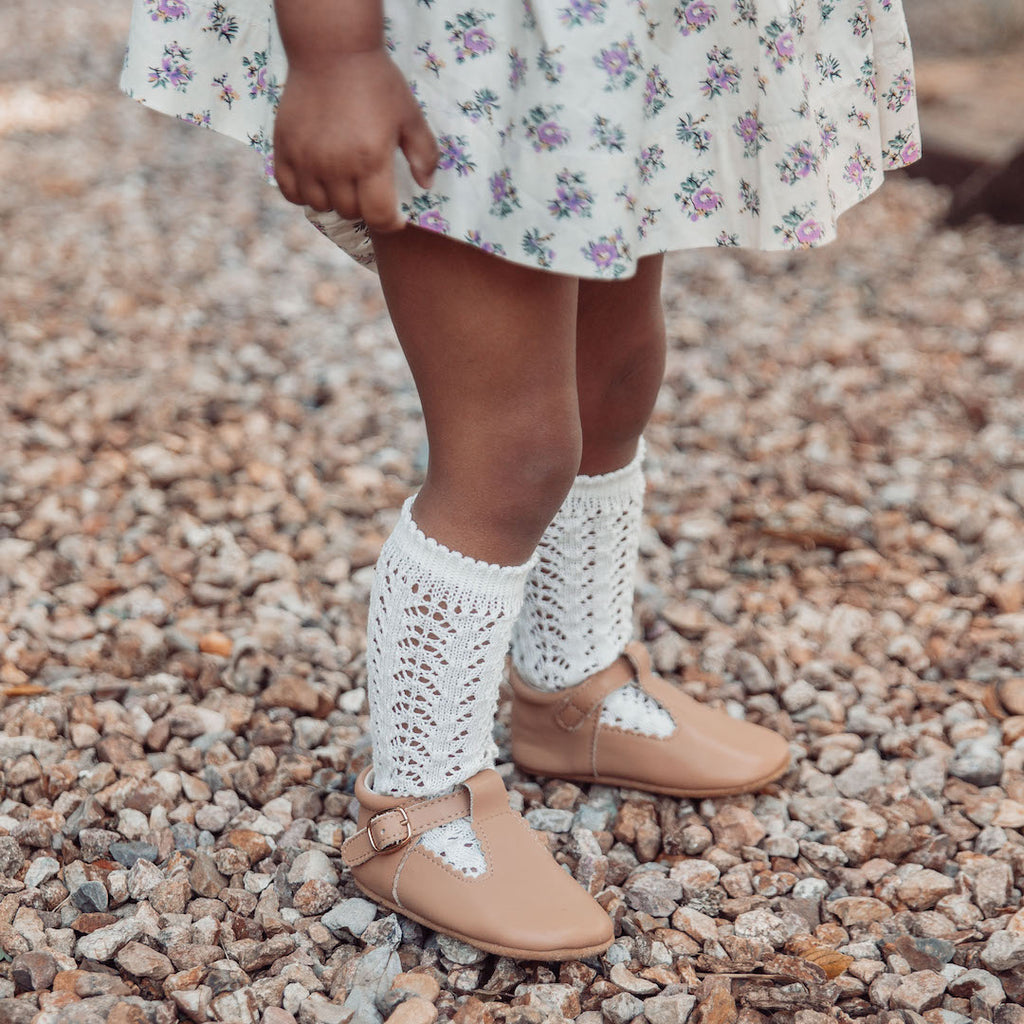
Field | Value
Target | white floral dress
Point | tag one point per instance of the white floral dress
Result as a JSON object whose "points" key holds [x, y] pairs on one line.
{"points": [[580, 135]]}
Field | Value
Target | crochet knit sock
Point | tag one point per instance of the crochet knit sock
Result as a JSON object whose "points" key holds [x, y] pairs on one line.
{"points": [[578, 612], [438, 632]]}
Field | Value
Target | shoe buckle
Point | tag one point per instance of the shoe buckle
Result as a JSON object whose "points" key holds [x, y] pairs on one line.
{"points": [[395, 844]]}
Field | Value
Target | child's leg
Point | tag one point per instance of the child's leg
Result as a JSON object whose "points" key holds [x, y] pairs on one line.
{"points": [[578, 612], [492, 349], [617, 723]]}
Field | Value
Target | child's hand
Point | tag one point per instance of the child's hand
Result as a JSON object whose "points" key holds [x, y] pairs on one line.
{"points": [[336, 134]]}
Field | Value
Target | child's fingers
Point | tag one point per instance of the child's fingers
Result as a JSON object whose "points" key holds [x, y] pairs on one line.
{"points": [[420, 149], [378, 202], [315, 195], [344, 199]]}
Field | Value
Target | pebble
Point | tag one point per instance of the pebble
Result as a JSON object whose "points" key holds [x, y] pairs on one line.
{"points": [[41, 870], [91, 897], [127, 853], [977, 762], [459, 952], [351, 915], [312, 865], [33, 972], [1003, 952]]}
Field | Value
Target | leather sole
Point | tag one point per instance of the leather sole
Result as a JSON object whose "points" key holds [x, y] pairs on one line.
{"points": [[647, 787], [488, 947]]}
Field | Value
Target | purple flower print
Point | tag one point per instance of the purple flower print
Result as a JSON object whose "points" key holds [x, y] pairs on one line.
{"points": [[543, 130], [536, 246], [467, 34], [694, 16], [705, 201], [504, 198], [854, 171], [431, 220], [900, 92], [785, 45], [615, 61], [656, 92], [608, 254], [650, 161], [801, 162], [750, 129], [454, 156], [478, 41], [580, 11], [697, 198], [168, 10], [475, 238], [603, 254], [910, 152], [809, 232], [619, 62], [173, 70], [223, 24], [261, 82], [799, 229], [572, 197], [516, 69], [551, 134]]}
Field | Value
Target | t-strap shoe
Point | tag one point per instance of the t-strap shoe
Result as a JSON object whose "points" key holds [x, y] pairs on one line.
{"points": [[706, 753], [522, 905]]}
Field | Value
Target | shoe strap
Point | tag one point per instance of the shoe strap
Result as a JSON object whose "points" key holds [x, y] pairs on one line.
{"points": [[392, 829], [583, 700]]}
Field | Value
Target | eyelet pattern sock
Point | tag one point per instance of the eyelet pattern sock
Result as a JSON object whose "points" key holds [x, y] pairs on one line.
{"points": [[577, 615], [438, 632]]}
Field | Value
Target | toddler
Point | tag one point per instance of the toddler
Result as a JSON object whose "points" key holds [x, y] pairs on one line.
{"points": [[514, 171]]}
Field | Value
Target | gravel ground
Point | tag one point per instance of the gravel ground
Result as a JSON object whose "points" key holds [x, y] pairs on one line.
{"points": [[207, 432]]}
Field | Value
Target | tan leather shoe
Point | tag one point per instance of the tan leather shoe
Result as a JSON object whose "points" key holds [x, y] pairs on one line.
{"points": [[523, 906], [708, 753]]}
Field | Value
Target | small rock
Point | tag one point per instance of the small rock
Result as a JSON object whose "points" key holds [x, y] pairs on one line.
{"points": [[418, 984], [735, 827], [549, 819], [33, 972], [1003, 952], [128, 853], [628, 982], [310, 865], [11, 857], [459, 952], [91, 898], [560, 1000], [41, 870], [143, 962], [204, 877], [763, 925], [653, 893], [18, 1011], [983, 989], [978, 762], [621, 1008], [351, 915], [314, 897], [919, 991], [922, 888], [413, 1011], [859, 910], [143, 879], [103, 943], [669, 1009]]}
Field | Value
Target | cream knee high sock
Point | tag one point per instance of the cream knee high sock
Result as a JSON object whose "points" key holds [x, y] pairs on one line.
{"points": [[438, 632], [578, 611]]}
